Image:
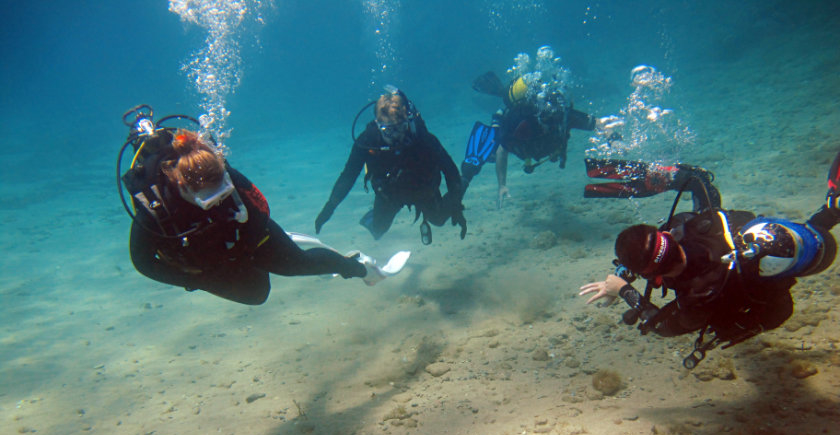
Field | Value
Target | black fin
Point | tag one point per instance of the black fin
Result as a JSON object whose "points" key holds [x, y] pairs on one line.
{"points": [[489, 83]]}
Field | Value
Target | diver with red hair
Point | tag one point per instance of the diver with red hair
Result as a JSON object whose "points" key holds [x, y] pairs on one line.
{"points": [[198, 223]]}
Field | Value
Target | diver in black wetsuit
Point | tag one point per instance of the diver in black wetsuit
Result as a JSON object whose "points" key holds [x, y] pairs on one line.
{"points": [[403, 162], [535, 125], [731, 271], [201, 224]]}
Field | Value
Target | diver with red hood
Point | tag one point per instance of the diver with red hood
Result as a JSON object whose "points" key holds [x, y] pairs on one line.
{"points": [[731, 272]]}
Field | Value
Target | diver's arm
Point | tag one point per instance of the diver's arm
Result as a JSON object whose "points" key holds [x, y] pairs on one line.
{"points": [[581, 121], [501, 174], [143, 249], [345, 181], [449, 169]]}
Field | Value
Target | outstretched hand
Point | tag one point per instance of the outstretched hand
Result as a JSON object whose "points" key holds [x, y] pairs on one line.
{"points": [[322, 218], [504, 193], [607, 289], [459, 219]]}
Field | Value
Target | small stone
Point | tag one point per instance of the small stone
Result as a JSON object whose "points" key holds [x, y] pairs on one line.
{"points": [[540, 355], [801, 369], [437, 369], [607, 382], [402, 397], [544, 240], [254, 397], [569, 398]]}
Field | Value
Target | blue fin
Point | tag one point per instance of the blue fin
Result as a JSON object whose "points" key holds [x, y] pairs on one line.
{"points": [[481, 145]]}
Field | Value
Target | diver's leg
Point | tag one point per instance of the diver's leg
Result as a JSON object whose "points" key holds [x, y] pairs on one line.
{"points": [[561, 154], [634, 179], [281, 256], [698, 181], [481, 148], [384, 211], [826, 218], [435, 208], [829, 214], [468, 171]]}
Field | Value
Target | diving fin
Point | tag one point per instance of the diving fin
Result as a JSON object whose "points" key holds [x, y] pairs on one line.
{"points": [[633, 178], [481, 146], [615, 169], [489, 83], [367, 222], [609, 190], [374, 273]]}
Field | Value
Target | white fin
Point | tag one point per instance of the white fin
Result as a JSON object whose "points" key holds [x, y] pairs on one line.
{"points": [[396, 263], [374, 273]]}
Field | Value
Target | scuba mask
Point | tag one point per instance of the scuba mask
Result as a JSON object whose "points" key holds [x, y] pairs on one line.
{"points": [[390, 132], [552, 109], [208, 197]]}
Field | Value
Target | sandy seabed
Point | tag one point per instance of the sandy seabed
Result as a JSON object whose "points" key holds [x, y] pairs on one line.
{"points": [[480, 336]]}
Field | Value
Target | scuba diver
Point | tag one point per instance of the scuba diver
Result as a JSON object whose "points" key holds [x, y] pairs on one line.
{"points": [[403, 162], [534, 124], [731, 271], [198, 223]]}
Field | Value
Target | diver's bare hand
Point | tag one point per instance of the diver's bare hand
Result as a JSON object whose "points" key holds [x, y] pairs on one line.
{"points": [[607, 289], [504, 193]]}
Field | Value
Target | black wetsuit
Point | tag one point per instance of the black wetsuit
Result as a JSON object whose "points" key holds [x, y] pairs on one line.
{"points": [[522, 133], [225, 257], [409, 175], [736, 303]]}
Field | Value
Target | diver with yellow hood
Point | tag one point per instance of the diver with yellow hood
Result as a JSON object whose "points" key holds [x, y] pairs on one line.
{"points": [[534, 124]]}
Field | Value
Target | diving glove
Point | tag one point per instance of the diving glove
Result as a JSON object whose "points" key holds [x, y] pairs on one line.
{"points": [[459, 219], [323, 217]]}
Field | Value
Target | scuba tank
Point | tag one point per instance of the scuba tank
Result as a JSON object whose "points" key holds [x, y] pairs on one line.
{"points": [[149, 140], [787, 249]]}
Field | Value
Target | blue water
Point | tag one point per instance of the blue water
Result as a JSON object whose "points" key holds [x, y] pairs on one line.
{"points": [[87, 344]]}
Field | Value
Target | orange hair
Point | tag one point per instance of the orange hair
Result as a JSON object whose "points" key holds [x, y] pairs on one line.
{"points": [[197, 166], [391, 109]]}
